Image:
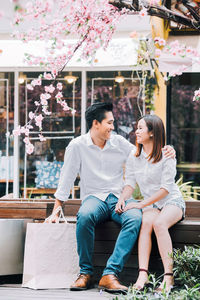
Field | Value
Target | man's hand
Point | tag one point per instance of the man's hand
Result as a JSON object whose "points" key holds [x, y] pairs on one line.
{"points": [[133, 205], [55, 219], [119, 208], [169, 151]]}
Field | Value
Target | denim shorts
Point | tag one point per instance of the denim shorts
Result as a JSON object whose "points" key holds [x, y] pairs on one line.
{"points": [[179, 202]]}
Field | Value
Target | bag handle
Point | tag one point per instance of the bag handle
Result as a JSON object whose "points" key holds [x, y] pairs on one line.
{"points": [[60, 218]]}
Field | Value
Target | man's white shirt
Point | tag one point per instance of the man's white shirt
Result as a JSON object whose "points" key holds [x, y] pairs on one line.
{"points": [[100, 170]]}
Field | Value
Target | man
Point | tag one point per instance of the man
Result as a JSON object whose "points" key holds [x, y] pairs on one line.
{"points": [[99, 158]]}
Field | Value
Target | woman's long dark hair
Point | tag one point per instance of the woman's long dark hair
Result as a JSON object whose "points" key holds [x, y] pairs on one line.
{"points": [[156, 126]]}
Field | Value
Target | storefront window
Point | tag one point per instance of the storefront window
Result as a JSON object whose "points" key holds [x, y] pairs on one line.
{"points": [[122, 89], [184, 126], [40, 171], [6, 126]]}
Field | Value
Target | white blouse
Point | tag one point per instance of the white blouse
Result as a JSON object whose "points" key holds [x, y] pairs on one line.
{"points": [[151, 177]]}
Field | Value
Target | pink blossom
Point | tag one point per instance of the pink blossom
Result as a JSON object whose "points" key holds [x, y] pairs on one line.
{"points": [[196, 95], [42, 138], [143, 12], [17, 131], [26, 140], [65, 106], [73, 111], [154, 2], [37, 81], [59, 95], [45, 111], [28, 126], [189, 50], [59, 86], [1, 13], [178, 71], [31, 115], [59, 44], [54, 72], [29, 87], [38, 120], [157, 53], [45, 96], [174, 52], [44, 102], [49, 89], [47, 76], [25, 130], [133, 34], [159, 41], [29, 148]]}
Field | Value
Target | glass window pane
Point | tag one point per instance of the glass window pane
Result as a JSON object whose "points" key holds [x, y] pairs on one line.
{"points": [[6, 127], [185, 126], [43, 168], [122, 89], [37, 171]]}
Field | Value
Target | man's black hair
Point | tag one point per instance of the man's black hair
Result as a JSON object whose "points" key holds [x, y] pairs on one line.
{"points": [[97, 112]]}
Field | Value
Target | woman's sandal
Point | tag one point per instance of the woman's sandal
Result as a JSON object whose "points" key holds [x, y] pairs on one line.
{"points": [[138, 287], [160, 289]]}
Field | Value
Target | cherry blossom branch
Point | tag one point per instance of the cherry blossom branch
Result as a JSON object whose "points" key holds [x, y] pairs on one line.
{"points": [[161, 11], [93, 22]]}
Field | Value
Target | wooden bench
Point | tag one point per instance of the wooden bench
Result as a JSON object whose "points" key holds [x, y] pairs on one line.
{"points": [[186, 232]]}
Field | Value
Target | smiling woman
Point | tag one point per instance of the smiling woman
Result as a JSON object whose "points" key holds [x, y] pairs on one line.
{"points": [[162, 206]]}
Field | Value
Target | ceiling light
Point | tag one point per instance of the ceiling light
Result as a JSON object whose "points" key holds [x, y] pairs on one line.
{"points": [[70, 78], [119, 78], [21, 79]]}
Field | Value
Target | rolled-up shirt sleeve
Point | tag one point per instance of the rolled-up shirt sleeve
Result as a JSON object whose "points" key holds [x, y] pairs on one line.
{"points": [[168, 174], [69, 172], [130, 170]]}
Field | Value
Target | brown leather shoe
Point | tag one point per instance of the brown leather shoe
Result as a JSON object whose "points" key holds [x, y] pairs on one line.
{"points": [[83, 282], [111, 284]]}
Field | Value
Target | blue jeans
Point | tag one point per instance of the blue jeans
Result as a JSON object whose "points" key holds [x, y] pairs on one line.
{"points": [[94, 211]]}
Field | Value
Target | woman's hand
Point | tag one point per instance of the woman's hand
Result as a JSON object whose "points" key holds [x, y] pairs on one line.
{"points": [[133, 205], [119, 208]]}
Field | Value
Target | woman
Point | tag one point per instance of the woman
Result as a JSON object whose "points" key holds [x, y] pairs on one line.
{"points": [[163, 205]]}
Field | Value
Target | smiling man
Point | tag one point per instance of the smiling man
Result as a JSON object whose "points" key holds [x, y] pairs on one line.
{"points": [[98, 157]]}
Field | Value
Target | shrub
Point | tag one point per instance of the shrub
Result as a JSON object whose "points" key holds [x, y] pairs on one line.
{"points": [[149, 293], [187, 266]]}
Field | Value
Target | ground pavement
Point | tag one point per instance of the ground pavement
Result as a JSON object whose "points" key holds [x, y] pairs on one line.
{"points": [[16, 292]]}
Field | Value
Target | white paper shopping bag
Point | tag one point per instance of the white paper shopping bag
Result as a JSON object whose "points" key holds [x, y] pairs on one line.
{"points": [[50, 258]]}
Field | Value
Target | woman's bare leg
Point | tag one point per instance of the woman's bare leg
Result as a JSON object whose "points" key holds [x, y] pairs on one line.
{"points": [[144, 245], [168, 216]]}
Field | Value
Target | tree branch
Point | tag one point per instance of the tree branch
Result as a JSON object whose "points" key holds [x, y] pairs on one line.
{"points": [[191, 10], [161, 11]]}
